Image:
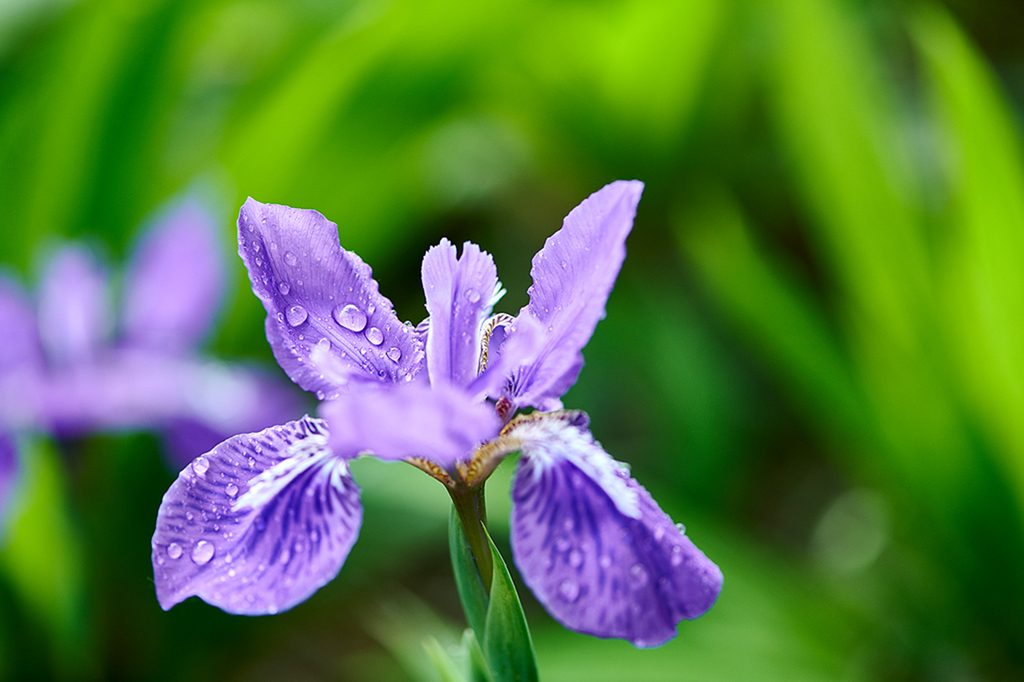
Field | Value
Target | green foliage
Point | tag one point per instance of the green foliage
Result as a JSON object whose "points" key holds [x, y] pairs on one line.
{"points": [[495, 615]]}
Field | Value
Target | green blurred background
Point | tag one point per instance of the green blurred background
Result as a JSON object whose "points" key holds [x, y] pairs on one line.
{"points": [[813, 357]]}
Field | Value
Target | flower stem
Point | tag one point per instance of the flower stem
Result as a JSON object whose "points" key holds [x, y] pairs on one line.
{"points": [[472, 512]]}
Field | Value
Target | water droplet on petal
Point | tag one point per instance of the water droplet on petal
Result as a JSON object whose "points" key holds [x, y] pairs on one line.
{"points": [[569, 590], [637, 576], [296, 315], [677, 555], [659, 533], [290, 258], [284, 288], [681, 528], [174, 550], [324, 344], [374, 336], [200, 465], [472, 295], [350, 317], [562, 543], [605, 561], [394, 355], [575, 558], [202, 552], [189, 515], [231, 489], [370, 309]]}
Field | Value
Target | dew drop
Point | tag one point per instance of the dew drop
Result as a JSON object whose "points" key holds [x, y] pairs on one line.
{"points": [[637, 576], [324, 344], [562, 543], [174, 550], [252, 462], [320, 395], [569, 590], [370, 309], [284, 288], [189, 515], [314, 536], [659, 533], [575, 558], [681, 528], [296, 315], [350, 317], [472, 295], [290, 258], [202, 552], [231, 489], [677, 555], [605, 561], [374, 336], [394, 355]]}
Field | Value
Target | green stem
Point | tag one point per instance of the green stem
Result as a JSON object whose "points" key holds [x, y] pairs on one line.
{"points": [[472, 512]]}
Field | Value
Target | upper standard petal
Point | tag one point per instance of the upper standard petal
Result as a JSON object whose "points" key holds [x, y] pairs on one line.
{"points": [[258, 524], [460, 293], [175, 281], [594, 547], [20, 346], [320, 296], [572, 277], [74, 308]]}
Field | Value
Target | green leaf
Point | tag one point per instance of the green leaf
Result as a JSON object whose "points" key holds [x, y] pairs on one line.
{"points": [[478, 671], [467, 577], [981, 277], [445, 666], [506, 636], [498, 620], [769, 304]]}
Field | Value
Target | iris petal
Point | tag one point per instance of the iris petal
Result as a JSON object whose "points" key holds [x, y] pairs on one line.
{"points": [[593, 545], [441, 424], [258, 524], [9, 470], [460, 294], [320, 296], [174, 282], [20, 347], [74, 310], [572, 277]]}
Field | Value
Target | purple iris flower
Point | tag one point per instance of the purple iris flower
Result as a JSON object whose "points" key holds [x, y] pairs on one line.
{"points": [[263, 520], [70, 366]]}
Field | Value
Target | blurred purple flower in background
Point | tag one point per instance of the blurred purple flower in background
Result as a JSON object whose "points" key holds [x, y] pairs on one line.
{"points": [[9, 467], [263, 520], [69, 366]]}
